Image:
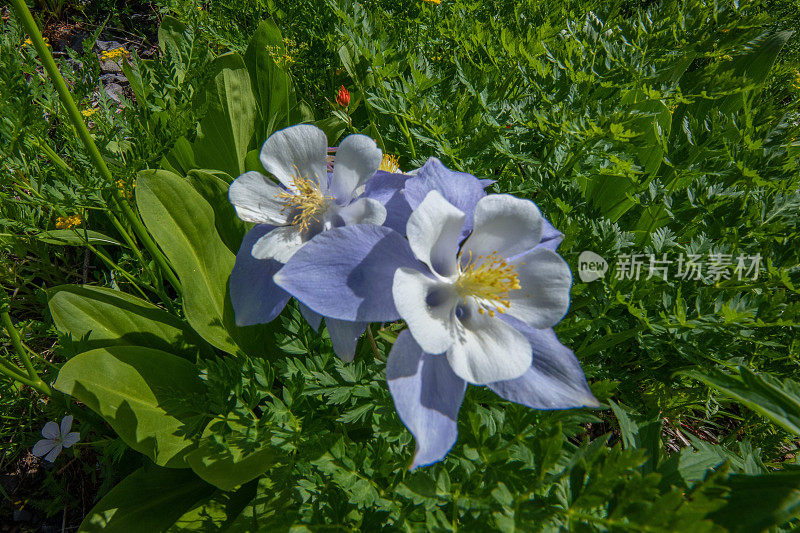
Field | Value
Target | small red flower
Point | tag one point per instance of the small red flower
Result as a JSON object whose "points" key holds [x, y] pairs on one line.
{"points": [[343, 99]]}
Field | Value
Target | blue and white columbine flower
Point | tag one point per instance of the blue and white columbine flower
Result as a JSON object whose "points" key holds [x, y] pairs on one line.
{"points": [[308, 201], [479, 310], [55, 439]]}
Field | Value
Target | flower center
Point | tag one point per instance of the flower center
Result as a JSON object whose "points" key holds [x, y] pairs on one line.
{"points": [[307, 203], [389, 164], [488, 281]]}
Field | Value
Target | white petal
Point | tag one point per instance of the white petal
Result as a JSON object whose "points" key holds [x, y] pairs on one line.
{"points": [[545, 280], [279, 244], [255, 198], [486, 349], [433, 231], [357, 159], [66, 425], [50, 431], [70, 439], [503, 224], [43, 447], [427, 306], [53, 453], [362, 211], [297, 151]]}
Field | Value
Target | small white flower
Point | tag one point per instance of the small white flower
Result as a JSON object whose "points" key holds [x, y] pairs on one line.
{"points": [[56, 438]]}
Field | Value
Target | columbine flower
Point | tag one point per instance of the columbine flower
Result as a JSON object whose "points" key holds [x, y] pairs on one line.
{"points": [[479, 309], [55, 438], [343, 98], [309, 201]]}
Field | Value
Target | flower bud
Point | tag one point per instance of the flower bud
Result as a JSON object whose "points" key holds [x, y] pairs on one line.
{"points": [[343, 99]]}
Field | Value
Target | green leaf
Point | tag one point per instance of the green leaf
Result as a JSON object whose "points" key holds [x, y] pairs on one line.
{"points": [[230, 227], [216, 512], [234, 464], [102, 317], [75, 237], [627, 427], [150, 499], [138, 391], [271, 84], [333, 128], [778, 401], [755, 65], [756, 503], [180, 159], [183, 224], [224, 134]]}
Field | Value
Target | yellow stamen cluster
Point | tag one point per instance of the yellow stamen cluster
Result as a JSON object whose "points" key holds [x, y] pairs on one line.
{"points": [[488, 280], [389, 163], [68, 222], [307, 203]]}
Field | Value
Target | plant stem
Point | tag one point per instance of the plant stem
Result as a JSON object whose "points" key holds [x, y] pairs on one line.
{"points": [[33, 379], [118, 201]]}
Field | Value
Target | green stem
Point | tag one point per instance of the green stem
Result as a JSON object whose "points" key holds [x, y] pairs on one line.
{"points": [[157, 281], [16, 343], [118, 201], [113, 266], [33, 379], [12, 371]]}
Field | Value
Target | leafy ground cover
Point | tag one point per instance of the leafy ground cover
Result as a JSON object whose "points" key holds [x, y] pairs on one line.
{"points": [[640, 129]]}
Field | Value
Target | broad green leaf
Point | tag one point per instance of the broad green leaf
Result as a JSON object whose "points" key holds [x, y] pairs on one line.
{"points": [[98, 317], [140, 392], [77, 237], [271, 84], [183, 224], [230, 227], [150, 499], [225, 132], [757, 503], [180, 159], [236, 463]]}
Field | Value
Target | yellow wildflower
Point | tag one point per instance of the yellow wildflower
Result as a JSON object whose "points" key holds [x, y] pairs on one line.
{"points": [[128, 192], [88, 112], [113, 55], [437, 2], [68, 222]]}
